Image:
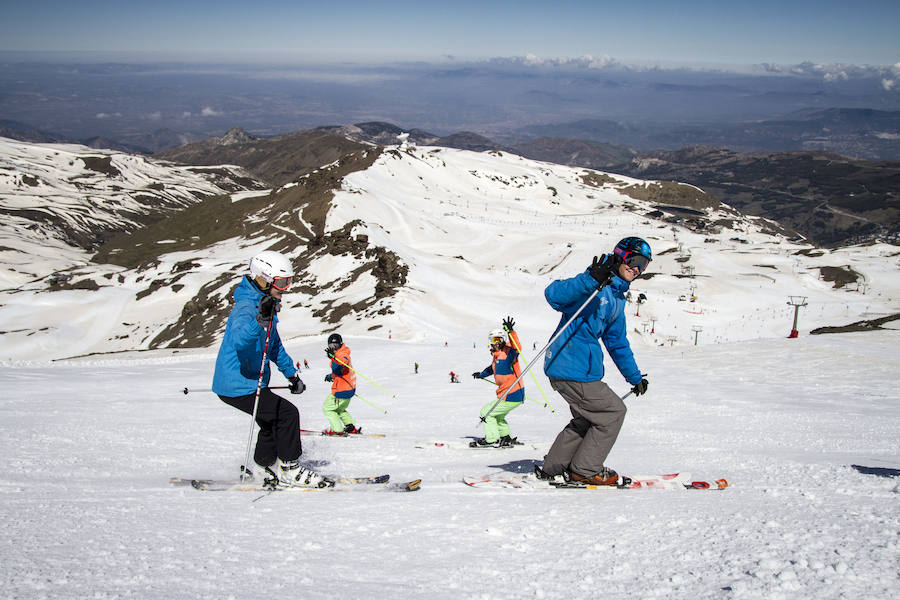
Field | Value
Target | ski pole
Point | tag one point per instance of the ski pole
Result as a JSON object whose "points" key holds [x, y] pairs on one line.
{"points": [[533, 376], [262, 368], [544, 349], [340, 362], [373, 405], [271, 387], [545, 405]]}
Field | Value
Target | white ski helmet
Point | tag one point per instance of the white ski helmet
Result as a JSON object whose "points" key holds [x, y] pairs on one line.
{"points": [[496, 333], [272, 267]]}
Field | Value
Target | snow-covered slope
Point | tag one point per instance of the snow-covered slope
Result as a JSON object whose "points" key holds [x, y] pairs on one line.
{"points": [[481, 235], [89, 446]]}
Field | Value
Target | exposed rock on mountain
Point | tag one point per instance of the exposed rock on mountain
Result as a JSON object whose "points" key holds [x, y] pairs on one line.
{"points": [[277, 160]]}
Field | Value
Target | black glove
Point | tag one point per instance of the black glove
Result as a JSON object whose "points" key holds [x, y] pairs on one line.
{"points": [[476, 375], [268, 306], [508, 324], [640, 388], [329, 378], [329, 353], [604, 270], [297, 386]]}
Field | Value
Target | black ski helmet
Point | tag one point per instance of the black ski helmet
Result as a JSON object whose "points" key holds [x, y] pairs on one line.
{"points": [[634, 252], [335, 340]]}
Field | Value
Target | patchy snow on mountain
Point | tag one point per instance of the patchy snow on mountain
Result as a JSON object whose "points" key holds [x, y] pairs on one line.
{"points": [[481, 234], [59, 198]]}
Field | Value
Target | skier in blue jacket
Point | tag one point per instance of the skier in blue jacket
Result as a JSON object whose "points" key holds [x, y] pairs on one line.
{"points": [[574, 363], [257, 300]]}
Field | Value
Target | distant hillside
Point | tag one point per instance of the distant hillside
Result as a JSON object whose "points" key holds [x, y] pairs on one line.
{"points": [[574, 152], [830, 199], [277, 161], [23, 132], [856, 132]]}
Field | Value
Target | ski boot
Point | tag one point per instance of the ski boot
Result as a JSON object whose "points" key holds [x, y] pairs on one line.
{"points": [[292, 473], [606, 476], [351, 428], [506, 442], [483, 443]]}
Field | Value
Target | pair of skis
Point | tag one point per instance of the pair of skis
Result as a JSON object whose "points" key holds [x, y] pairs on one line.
{"points": [[341, 435], [378, 482], [672, 481]]}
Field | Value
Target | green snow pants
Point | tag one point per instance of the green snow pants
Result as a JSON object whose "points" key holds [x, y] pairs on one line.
{"points": [[495, 425], [335, 410]]}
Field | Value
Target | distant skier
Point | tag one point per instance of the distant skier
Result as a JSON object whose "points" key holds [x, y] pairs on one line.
{"points": [[574, 363], [343, 388], [505, 369], [305, 364], [257, 301], [453, 377], [416, 366]]}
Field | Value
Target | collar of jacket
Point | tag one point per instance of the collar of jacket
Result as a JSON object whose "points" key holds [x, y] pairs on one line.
{"points": [[248, 290]]}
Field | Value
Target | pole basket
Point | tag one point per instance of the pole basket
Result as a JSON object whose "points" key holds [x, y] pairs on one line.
{"points": [[794, 333]]}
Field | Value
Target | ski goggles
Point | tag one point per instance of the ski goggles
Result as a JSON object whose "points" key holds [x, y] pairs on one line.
{"points": [[282, 283], [633, 260], [496, 341]]}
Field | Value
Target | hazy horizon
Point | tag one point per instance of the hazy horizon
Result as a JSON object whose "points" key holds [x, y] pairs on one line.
{"points": [[691, 32]]}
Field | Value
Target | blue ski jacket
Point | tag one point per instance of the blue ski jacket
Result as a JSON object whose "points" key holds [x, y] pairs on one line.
{"points": [[576, 354], [241, 352]]}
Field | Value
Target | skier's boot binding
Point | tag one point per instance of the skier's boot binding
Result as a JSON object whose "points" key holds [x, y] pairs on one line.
{"points": [[606, 476], [540, 474], [332, 432], [507, 441], [351, 428], [294, 474], [483, 443]]}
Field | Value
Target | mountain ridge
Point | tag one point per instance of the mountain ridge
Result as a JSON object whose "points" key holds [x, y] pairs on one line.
{"points": [[411, 243]]}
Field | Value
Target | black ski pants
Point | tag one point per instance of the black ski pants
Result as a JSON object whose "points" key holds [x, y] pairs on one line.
{"points": [[279, 426]]}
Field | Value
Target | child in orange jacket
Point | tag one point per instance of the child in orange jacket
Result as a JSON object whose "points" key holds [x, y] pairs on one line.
{"points": [[343, 388], [505, 369]]}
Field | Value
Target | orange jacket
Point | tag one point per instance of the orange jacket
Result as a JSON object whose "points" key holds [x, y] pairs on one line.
{"points": [[505, 367], [343, 382]]}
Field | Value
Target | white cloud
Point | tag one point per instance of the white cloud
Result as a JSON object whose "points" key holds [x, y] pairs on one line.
{"points": [[209, 112], [101, 116], [155, 116], [888, 84], [839, 76], [587, 61], [186, 114]]}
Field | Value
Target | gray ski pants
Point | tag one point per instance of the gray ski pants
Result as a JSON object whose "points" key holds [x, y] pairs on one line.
{"points": [[584, 444]]}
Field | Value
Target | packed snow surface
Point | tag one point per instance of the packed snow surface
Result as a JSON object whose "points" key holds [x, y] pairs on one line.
{"points": [[89, 446]]}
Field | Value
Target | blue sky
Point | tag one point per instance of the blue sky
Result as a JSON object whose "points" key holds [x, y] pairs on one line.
{"points": [[686, 32]]}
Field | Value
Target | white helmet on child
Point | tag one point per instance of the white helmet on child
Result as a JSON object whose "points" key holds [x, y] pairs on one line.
{"points": [[496, 333], [272, 267]]}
